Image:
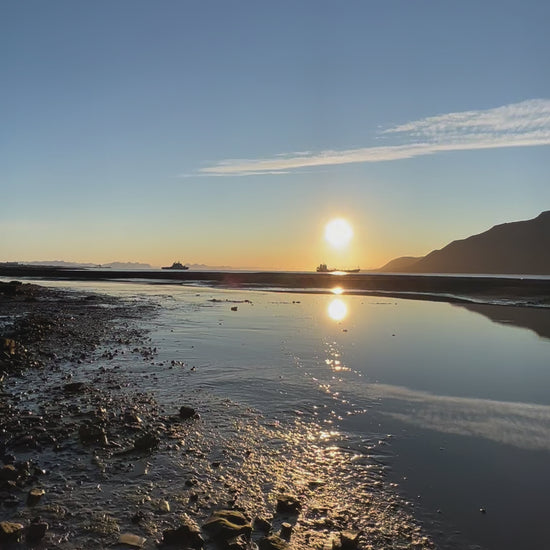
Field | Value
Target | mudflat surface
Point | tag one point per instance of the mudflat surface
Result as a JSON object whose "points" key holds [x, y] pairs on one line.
{"points": [[89, 459]]}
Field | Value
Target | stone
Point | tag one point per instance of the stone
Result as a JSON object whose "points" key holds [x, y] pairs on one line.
{"points": [[227, 524], [92, 433], [10, 531], [187, 535], [131, 540], [286, 530], [349, 540], [74, 387], [237, 543], [34, 496], [8, 473], [147, 442], [273, 542], [187, 412], [36, 531], [261, 524], [288, 504], [163, 506]]}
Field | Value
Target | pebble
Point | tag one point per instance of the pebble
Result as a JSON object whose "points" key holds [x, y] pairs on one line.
{"points": [[34, 496], [288, 504], [131, 540], [10, 531]]}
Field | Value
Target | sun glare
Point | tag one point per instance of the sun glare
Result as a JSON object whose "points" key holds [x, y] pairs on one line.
{"points": [[338, 232], [337, 309]]}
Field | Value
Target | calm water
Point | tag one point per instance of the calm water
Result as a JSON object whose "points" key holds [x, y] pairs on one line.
{"points": [[452, 402]]}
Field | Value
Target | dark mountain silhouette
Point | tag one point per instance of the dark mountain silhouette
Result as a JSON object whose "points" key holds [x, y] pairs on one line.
{"points": [[510, 248], [400, 264]]}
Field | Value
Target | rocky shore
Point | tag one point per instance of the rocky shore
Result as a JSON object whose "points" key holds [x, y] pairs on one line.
{"points": [[88, 458]]}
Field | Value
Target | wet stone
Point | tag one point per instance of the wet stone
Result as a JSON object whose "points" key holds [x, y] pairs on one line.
{"points": [[36, 531], [288, 504], [237, 543], [10, 532], [227, 524], [187, 535], [187, 412], [147, 442], [273, 542], [91, 433], [261, 524], [286, 530], [34, 496], [349, 540], [8, 473], [132, 540], [74, 387]]}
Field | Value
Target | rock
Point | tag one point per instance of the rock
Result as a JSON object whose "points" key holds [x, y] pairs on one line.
{"points": [[74, 387], [92, 433], [187, 412], [288, 504], [227, 524], [8, 346], [286, 530], [10, 531], [132, 418], [8, 473], [131, 540], [349, 540], [34, 496], [237, 543], [163, 506], [234, 308], [187, 534], [273, 542], [147, 442], [36, 531], [262, 524]]}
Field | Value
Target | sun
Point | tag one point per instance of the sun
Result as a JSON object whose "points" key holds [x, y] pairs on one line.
{"points": [[338, 232]]}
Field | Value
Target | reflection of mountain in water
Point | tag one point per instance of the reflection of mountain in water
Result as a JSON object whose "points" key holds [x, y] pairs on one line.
{"points": [[532, 318]]}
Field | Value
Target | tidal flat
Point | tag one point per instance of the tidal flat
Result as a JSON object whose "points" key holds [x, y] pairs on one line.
{"points": [[109, 463], [382, 422]]}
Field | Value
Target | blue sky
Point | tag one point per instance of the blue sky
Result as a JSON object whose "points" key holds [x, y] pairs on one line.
{"points": [[229, 133]]}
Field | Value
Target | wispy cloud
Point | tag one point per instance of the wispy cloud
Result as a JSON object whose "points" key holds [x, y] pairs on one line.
{"points": [[516, 125]]}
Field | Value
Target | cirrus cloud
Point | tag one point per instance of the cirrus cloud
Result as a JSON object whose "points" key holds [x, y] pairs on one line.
{"points": [[521, 124]]}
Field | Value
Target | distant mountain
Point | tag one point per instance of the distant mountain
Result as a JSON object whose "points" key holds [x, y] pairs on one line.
{"points": [[510, 248], [114, 265], [127, 265], [59, 263], [400, 264]]}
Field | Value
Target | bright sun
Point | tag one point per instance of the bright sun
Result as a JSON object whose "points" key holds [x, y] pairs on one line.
{"points": [[338, 232]]}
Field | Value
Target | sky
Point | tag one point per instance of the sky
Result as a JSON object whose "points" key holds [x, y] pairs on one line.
{"points": [[231, 133]]}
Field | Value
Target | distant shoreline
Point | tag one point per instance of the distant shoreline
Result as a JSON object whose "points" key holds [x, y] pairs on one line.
{"points": [[529, 291]]}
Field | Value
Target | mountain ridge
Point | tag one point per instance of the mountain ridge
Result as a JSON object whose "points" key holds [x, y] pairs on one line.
{"points": [[519, 247]]}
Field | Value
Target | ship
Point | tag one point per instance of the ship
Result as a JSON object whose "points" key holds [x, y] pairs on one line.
{"points": [[322, 268], [177, 265]]}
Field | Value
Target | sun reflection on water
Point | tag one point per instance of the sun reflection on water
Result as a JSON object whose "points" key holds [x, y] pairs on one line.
{"points": [[337, 309]]}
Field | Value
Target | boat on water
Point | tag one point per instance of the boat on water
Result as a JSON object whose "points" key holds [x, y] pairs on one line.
{"points": [[177, 265], [322, 268]]}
